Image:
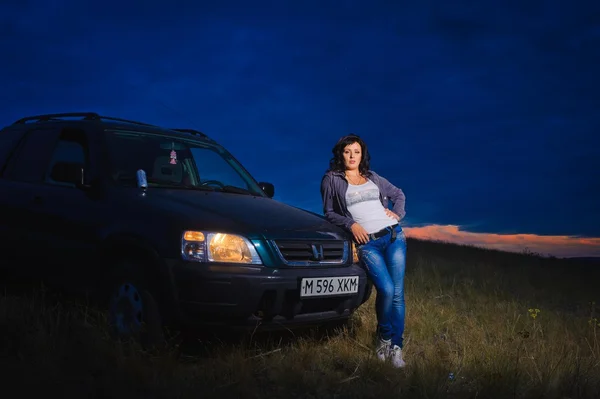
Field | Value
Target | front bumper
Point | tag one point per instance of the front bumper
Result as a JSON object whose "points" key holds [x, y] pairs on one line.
{"points": [[251, 296]]}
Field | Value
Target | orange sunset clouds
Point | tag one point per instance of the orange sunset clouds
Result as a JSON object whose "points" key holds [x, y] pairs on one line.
{"points": [[559, 246]]}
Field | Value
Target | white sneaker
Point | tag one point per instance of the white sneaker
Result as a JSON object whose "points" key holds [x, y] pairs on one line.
{"points": [[396, 356], [383, 349]]}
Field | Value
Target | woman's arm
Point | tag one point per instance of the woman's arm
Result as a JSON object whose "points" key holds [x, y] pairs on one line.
{"points": [[327, 194], [395, 195]]}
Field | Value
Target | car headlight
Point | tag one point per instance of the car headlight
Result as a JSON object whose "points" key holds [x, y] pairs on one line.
{"points": [[354, 253], [199, 246]]}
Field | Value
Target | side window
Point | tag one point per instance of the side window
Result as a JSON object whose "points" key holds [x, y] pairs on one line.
{"points": [[8, 141], [32, 156], [71, 147]]}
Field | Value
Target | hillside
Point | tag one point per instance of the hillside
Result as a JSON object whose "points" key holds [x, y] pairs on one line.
{"points": [[480, 323]]}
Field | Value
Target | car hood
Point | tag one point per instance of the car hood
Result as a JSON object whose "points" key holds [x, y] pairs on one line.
{"points": [[251, 215]]}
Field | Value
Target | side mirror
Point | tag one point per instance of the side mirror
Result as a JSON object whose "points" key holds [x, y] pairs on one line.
{"points": [[268, 188], [68, 172]]}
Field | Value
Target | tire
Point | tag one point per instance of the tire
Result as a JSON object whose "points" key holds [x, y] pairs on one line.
{"points": [[133, 310]]}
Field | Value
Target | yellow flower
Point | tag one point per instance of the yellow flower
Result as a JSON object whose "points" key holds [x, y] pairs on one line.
{"points": [[534, 312]]}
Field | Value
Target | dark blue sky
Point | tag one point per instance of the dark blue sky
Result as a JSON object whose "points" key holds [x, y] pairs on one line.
{"points": [[487, 114]]}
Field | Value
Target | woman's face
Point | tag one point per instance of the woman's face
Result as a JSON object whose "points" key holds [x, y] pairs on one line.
{"points": [[352, 156]]}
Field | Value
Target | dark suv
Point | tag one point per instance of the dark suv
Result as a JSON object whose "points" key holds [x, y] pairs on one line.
{"points": [[166, 226]]}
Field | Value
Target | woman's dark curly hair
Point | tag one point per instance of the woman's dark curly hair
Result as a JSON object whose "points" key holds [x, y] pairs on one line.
{"points": [[337, 162]]}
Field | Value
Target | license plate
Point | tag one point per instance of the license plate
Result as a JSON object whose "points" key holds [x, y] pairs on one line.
{"points": [[328, 286]]}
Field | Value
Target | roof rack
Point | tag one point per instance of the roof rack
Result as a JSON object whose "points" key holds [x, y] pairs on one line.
{"points": [[192, 131], [88, 116]]}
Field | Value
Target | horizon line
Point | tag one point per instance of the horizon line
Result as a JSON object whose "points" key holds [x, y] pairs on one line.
{"points": [[560, 246]]}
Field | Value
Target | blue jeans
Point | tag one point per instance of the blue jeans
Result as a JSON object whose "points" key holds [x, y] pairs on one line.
{"points": [[385, 263]]}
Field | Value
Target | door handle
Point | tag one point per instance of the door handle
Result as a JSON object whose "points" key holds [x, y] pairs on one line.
{"points": [[37, 200]]}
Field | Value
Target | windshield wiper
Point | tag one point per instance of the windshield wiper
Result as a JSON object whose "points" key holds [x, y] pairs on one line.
{"points": [[226, 189], [237, 190], [170, 184]]}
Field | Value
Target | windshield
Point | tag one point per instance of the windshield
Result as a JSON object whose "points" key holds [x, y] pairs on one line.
{"points": [[171, 162]]}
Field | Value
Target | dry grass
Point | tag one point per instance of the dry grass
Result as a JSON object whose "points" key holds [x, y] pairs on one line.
{"points": [[480, 324]]}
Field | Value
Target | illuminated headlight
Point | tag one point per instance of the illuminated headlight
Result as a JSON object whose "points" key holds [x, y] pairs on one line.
{"points": [[354, 253], [198, 246]]}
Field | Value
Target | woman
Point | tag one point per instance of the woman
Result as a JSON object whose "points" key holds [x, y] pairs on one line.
{"points": [[356, 199]]}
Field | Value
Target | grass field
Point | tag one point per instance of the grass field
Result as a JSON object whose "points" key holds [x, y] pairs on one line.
{"points": [[480, 324]]}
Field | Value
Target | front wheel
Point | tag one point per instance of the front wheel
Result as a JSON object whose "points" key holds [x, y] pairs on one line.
{"points": [[134, 312]]}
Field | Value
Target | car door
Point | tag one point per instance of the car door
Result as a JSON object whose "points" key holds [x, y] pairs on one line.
{"points": [[25, 251], [9, 140], [72, 217]]}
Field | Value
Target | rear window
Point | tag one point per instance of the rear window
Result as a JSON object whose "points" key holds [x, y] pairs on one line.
{"points": [[8, 141]]}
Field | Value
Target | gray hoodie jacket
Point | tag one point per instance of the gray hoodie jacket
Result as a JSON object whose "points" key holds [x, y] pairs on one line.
{"points": [[333, 193]]}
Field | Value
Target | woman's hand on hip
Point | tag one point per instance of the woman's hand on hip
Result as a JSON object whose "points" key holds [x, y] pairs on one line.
{"points": [[392, 214], [360, 234]]}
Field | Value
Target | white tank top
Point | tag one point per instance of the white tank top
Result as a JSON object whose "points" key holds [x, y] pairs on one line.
{"points": [[366, 208]]}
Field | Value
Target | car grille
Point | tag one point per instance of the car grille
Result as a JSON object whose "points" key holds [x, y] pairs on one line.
{"points": [[312, 252]]}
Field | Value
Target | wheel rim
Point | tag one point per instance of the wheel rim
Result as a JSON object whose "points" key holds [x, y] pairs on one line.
{"points": [[127, 309]]}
